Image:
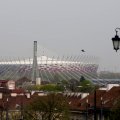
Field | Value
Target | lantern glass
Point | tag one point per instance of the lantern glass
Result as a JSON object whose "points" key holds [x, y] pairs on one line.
{"points": [[116, 45]]}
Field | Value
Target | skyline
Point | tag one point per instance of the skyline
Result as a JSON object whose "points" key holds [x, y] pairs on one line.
{"points": [[64, 27]]}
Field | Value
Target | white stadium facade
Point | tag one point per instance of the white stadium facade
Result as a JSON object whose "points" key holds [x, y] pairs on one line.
{"points": [[50, 69]]}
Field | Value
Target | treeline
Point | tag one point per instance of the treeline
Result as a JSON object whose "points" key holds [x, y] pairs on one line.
{"points": [[109, 75]]}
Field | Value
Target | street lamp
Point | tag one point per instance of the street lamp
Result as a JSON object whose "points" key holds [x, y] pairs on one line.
{"points": [[87, 109], [7, 115], [116, 40], [101, 110], [95, 116], [21, 105]]}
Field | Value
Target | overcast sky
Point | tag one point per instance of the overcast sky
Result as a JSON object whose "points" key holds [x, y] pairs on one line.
{"points": [[62, 26]]}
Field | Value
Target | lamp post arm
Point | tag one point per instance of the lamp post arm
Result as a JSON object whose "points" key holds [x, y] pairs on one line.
{"points": [[116, 30]]}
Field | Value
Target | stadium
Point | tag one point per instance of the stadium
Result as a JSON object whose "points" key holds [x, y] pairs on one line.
{"points": [[50, 69]]}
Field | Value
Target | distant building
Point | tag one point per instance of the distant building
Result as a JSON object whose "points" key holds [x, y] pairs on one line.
{"points": [[11, 84], [8, 84], [50, 69]]}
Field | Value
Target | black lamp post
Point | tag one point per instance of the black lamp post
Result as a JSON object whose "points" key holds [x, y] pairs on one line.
{"points": [[101, 110], [95, 115], [1, 109], [21, 106], [86, 109], [116, 40], [7, 116]]}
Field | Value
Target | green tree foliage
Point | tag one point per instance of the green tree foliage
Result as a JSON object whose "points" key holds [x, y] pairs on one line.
{"points": [[115, 112], [85, 85], [47, 87], [73, 83], [50, 107], [82, 79], [51, 87], [64, 82]]}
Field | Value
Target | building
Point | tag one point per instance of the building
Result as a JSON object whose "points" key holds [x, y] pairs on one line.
{"points": [[81, 105], [50, 69]]}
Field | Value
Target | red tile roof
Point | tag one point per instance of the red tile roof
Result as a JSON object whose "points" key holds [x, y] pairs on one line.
{"points": [[75, 103], [108, 99], [4, 81], [18, 91]]}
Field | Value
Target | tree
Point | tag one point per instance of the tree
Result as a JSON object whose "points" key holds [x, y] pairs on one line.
{"points": [[73, 83], [85, 85], [47, 87], [50, 107], [82, 79], [115, 112]]}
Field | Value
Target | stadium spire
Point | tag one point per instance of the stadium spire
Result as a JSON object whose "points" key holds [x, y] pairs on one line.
{"points": [[35, 73]]}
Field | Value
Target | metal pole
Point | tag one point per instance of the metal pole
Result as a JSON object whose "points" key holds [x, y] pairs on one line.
{"points": [[101, 111], [21, 107], [87, 109], [95, 116], [7, 117]]}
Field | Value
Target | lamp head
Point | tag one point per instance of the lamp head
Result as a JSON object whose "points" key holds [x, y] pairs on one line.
{"points": [[116, 42]]}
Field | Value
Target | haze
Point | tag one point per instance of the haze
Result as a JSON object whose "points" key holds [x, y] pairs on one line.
{"points": [[62, 26]]}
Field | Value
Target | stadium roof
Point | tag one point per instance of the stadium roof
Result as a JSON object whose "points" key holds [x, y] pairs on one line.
{"points": [[43, 60]]}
